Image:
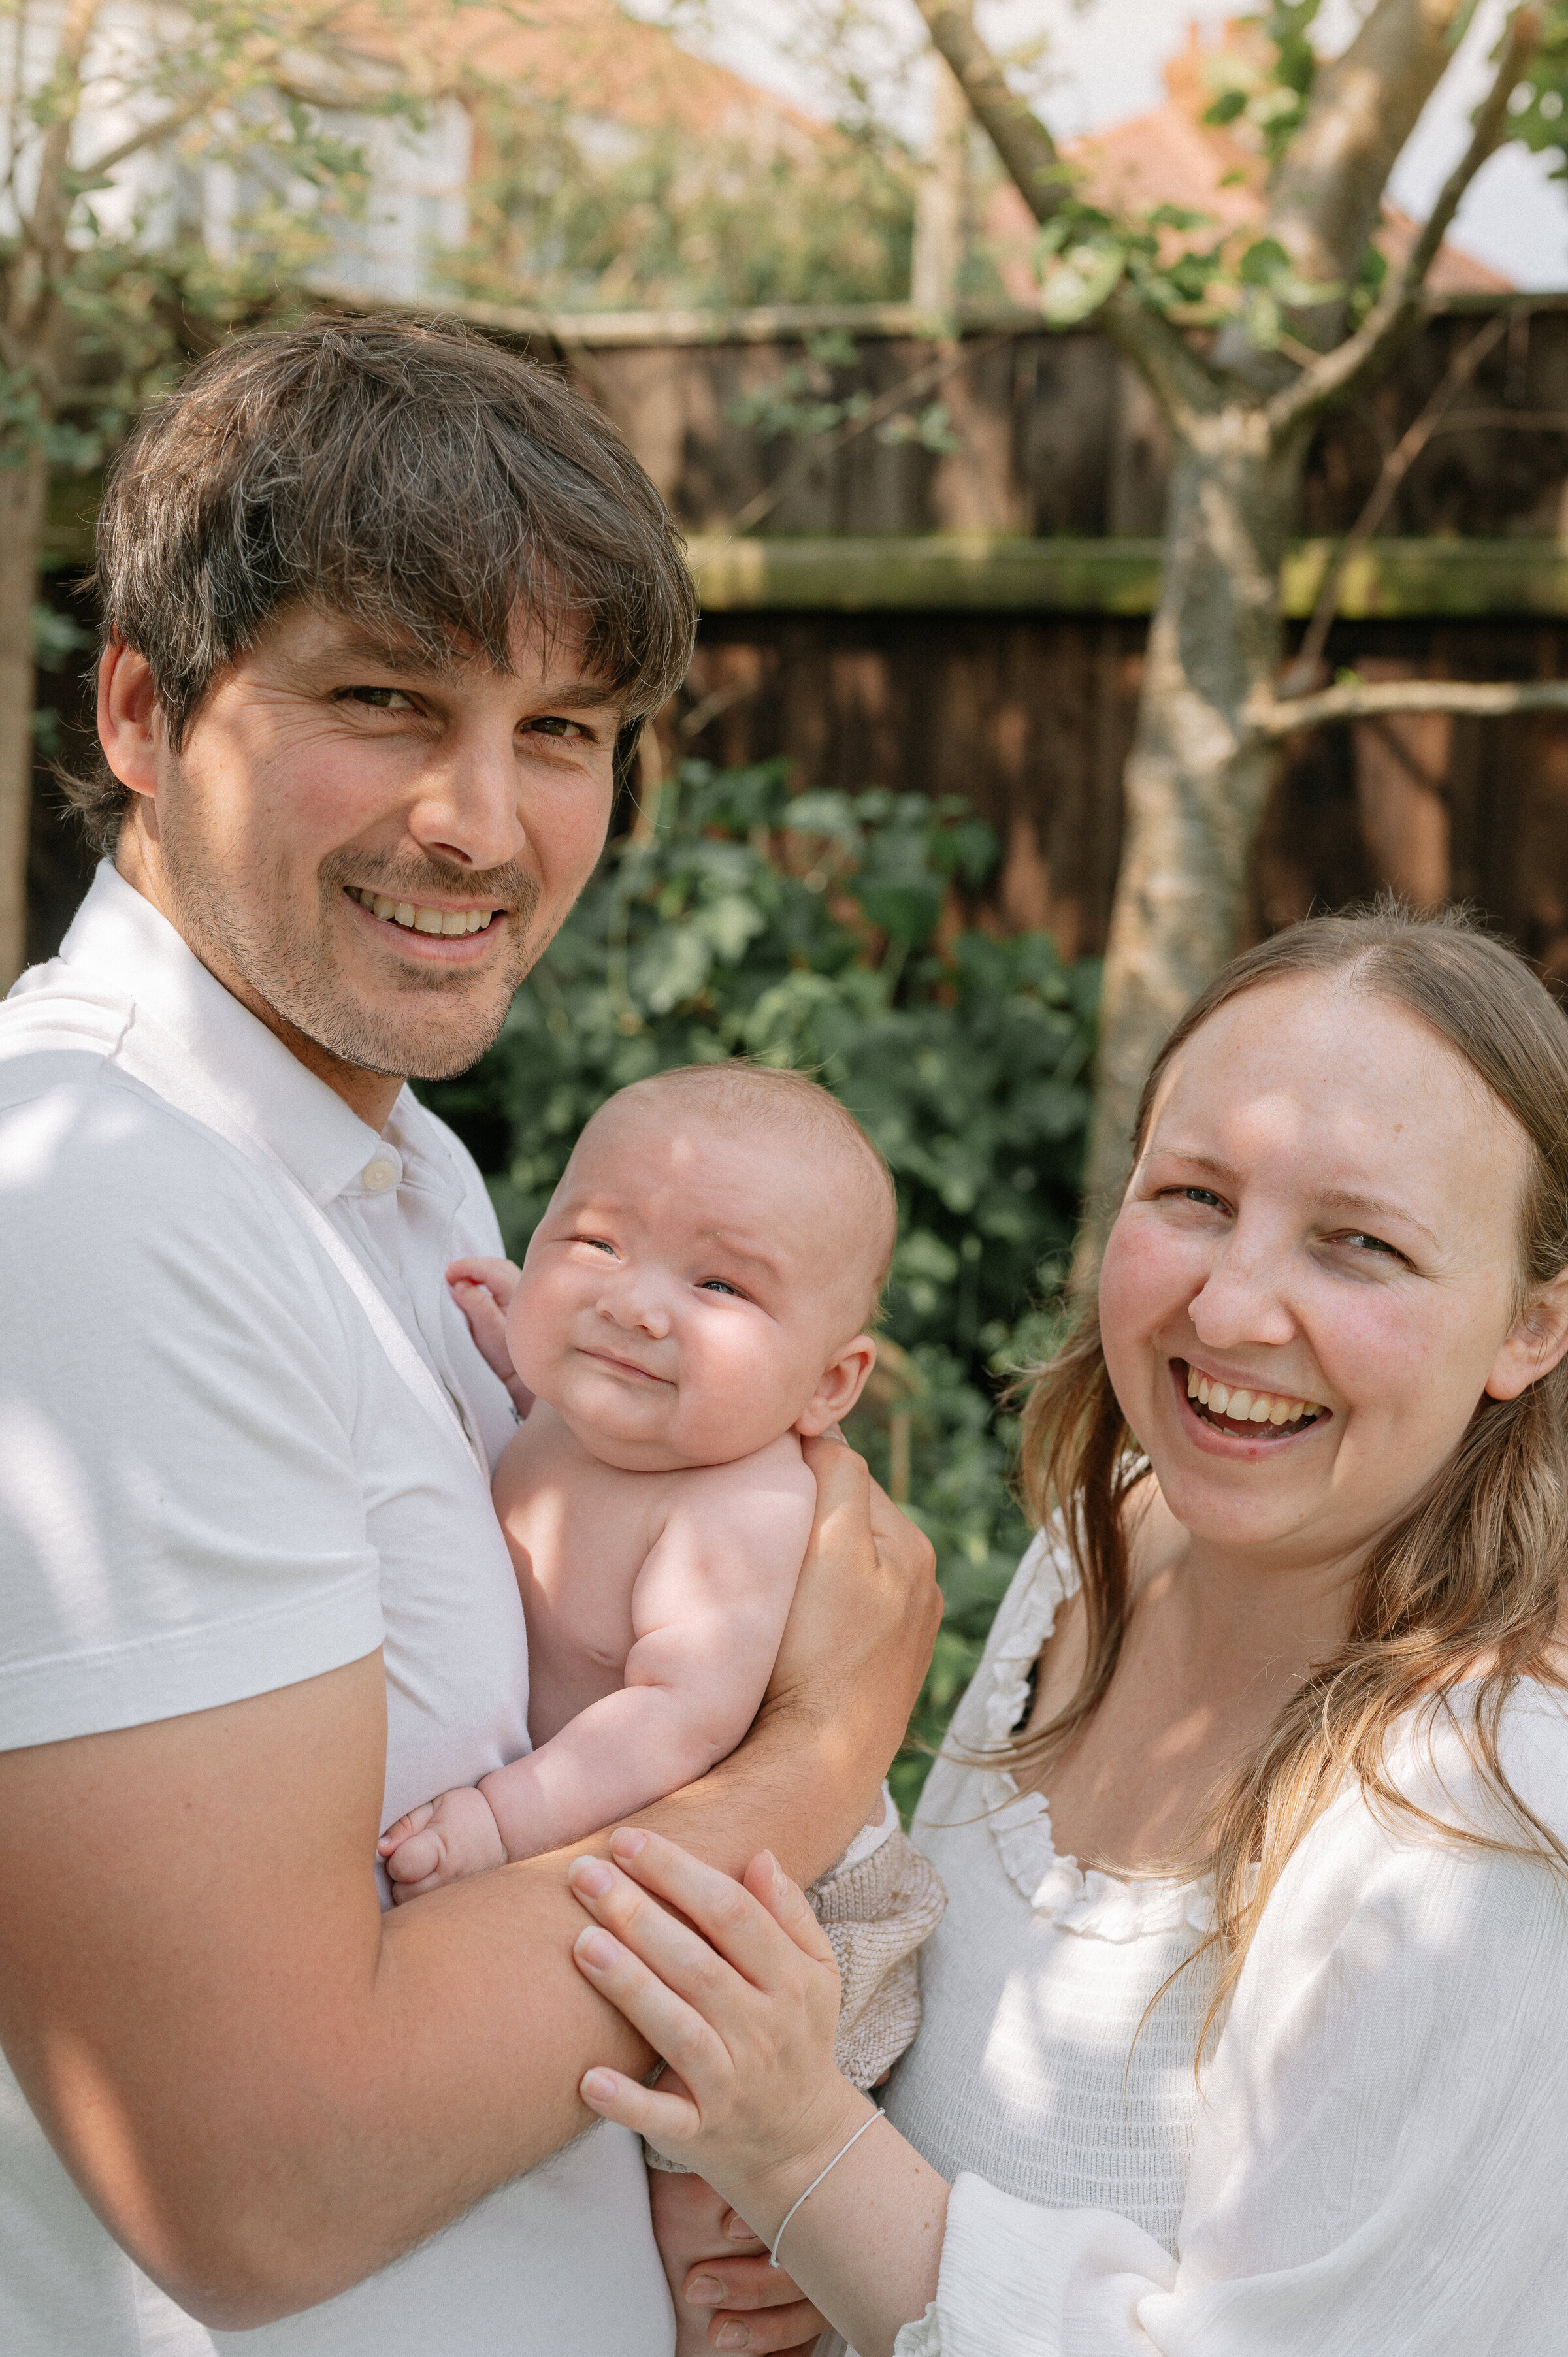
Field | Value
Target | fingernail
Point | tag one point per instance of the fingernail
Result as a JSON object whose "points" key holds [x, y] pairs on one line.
{"points": [[706, 2292], [737, 2230], [597, 2087], [627, 1842], [591, 1876], [732, 2336], [596, 1948]]}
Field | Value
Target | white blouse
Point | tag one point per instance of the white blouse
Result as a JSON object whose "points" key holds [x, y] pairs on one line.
{"points": [[1377, 2164]]}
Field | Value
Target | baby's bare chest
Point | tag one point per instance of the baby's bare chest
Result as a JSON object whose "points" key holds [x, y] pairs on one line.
{"points": [[579, 1535]]}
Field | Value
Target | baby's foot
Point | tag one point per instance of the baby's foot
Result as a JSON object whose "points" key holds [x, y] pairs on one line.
{"points": [[441, 1841]]}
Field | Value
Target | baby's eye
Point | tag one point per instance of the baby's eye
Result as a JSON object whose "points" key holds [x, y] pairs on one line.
{"points": [[717, 1285]]}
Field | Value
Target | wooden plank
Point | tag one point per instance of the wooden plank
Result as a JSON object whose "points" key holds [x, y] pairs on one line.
{"points": [[982, 572]]}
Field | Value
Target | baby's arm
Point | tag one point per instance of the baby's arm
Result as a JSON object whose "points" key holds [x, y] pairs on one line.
{"points": [[708, 1610], [483, 1290]]}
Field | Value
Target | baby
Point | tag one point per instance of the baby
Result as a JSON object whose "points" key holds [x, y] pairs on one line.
{"points": [[694, 1300]]}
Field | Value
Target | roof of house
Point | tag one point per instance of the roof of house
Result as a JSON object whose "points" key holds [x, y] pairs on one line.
{"points": [[1171, 155]]}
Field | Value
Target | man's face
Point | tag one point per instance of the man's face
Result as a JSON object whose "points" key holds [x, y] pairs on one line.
{"points": [[371, 853]]}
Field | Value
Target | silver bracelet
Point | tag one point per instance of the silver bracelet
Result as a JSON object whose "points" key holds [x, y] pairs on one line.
{"points": [[779, 2237]]}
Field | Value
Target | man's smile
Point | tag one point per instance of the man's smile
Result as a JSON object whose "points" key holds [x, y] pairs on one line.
{"points": [[421, 917]]}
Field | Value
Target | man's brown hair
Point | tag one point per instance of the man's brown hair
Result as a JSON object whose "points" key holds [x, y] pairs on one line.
{"points": [[426, 481]]}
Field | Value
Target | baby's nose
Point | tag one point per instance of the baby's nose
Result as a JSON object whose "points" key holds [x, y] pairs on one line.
{"points": [[636, 1302]]}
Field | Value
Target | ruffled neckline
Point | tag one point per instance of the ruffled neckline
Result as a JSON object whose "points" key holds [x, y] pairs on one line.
{"points": [[1094, 1905]]}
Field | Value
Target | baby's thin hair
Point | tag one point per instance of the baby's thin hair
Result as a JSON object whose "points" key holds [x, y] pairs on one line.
{"points": [[740, 1091]]}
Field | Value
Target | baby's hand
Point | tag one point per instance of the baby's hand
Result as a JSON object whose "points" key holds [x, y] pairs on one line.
{"points": [[483, 1291], [441, 1841]]}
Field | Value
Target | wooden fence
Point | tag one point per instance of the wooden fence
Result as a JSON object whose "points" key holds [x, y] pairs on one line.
{"points": [[957, 604]]}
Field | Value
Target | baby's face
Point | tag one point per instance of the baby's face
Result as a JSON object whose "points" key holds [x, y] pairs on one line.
{"points": [[687, 1291]]}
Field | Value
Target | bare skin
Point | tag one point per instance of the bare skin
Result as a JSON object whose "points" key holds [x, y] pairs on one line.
{"points": [[265, 2088], [1326, 1210], [680, 1324]]}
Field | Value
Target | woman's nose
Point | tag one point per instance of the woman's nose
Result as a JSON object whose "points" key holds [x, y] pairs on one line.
{"points": [[1244, 1298]]}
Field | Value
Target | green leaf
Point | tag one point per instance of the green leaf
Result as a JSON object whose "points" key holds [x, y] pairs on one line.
{"points": [[1084, 277]]}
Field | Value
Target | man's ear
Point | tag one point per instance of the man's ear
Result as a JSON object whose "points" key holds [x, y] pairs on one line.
{"points": [[844, 1380], [129, 722], [1534, 1343]]}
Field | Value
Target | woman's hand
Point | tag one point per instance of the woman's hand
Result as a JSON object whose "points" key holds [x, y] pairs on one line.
{"points": [[743, 2007]]}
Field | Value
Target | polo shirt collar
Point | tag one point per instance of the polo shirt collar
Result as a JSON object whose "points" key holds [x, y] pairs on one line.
{"points": [[120, 936]]}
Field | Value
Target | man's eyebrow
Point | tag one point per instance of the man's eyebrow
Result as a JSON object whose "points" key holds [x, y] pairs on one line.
{"points": [[588, 694]]}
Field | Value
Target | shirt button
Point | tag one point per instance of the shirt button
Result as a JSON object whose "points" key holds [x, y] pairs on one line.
{"points": [[376, 1176]]}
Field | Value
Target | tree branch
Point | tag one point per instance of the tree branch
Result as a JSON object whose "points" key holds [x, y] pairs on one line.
{"points": [[1180, 378], [1397, 309], [1486, 699], [1396, 467], [907, 389]]}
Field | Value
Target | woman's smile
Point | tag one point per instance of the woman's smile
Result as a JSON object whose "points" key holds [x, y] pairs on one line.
{"points": [[1243, 1421]]}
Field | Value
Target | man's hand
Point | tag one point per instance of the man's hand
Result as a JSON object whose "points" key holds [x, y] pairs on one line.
{"points": [[727, 2296], [441, 1841], [858, 1640]]}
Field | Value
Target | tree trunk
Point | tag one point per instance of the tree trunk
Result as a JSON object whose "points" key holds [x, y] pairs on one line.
{"points": [[1197, 775], [23, 491]]}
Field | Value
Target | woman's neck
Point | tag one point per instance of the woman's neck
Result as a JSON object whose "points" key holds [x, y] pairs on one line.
{"points": [[1211, 1652]]}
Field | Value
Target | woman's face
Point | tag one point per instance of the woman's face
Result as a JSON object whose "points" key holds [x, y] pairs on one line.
{"points": [[1322, 1234]]}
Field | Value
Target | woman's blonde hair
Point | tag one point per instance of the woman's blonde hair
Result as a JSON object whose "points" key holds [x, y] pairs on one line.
{"points": [[1471, 1572]]}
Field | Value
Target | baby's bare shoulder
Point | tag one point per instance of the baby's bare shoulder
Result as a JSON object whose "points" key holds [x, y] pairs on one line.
{"points": [[777, 1471]]}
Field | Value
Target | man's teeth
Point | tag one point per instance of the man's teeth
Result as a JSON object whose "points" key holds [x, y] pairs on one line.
{"points": [[415, 919], [1247, 1407]]}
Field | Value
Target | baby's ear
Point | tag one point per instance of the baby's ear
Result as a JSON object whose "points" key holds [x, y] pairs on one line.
{"points": [[843, 1380]]}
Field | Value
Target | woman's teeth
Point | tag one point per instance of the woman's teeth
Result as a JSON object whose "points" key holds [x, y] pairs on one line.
{"points": [[415, 919], [1247, 1407]]}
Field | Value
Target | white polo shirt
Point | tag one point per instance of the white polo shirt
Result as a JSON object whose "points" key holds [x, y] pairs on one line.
{"points": [[214, 1482]]}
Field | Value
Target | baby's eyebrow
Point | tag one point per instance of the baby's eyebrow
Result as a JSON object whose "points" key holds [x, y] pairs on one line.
{"points": [[738, 1251]]}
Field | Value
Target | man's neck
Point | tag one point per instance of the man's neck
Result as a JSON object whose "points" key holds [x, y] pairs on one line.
{"points": [[370, 1095]]}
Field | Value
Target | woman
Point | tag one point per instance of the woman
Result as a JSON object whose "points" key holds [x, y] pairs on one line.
{"points": [[1252, 2043]]}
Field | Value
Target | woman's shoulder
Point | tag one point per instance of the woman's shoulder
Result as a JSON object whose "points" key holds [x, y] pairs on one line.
{"points": [[1436, 1828]]}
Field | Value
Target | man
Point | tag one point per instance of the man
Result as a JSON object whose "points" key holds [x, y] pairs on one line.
{"points": [[381, 605]]}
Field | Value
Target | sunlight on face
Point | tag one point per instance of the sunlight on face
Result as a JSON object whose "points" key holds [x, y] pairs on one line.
{"points": [[1324, 1219], [377, 850], [686, 1288]]}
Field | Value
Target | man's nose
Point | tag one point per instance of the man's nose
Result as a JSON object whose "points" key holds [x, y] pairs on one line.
{"points": [[1245, 1296], [470, 808]]}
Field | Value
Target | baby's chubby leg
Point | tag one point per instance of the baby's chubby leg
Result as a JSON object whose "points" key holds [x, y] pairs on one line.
{"points": [[741, 2303], [441, 1841]]}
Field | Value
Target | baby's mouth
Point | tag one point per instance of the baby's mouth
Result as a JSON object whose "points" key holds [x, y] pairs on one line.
{"points": [[1246, 1414]]}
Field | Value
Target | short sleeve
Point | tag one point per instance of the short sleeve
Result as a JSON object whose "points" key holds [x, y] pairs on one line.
{"points": [[1381, 2164], [181, 1519]]}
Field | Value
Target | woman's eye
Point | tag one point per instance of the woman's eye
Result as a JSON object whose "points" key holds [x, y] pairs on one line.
{"points": [[1374, 1245], [379, 699], [1201, 1196]]}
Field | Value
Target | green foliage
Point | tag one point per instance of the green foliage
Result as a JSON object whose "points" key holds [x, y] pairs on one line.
{"points": [[1266, 86], [571, 221], [1538, 107], [816, 932]]}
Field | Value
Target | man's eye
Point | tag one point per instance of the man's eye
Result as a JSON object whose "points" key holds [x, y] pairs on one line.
{"points": [[379, 699], [553, 725]]}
